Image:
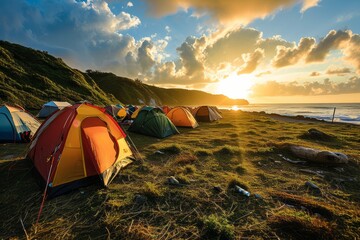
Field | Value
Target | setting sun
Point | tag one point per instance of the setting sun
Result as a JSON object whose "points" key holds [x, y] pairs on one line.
{"points": [[235, 86]]}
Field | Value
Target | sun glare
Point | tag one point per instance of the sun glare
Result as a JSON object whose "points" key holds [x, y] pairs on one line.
{"points": [[235, 108], [235, 86]]}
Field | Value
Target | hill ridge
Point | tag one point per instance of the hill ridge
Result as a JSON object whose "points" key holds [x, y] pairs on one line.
{"points": [[30, 78]]}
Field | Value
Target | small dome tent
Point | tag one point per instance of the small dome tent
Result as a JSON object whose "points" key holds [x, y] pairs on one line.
{"points": [[181, 117], [50, 107], [116, 111], [77, 146], [206, 114], [16, 125], [153, 122]]}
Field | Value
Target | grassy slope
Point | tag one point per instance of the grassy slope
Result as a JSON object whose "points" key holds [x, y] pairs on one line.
{"points": [[30, 78], [119, 87], [192, 97], [236, 149], [126, 90]]}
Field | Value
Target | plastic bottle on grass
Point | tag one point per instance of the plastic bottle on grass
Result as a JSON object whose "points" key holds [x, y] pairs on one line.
{"points": [[242, 191]]}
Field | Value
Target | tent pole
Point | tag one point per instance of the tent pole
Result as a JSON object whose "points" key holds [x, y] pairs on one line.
{"points": [[132, 144]]}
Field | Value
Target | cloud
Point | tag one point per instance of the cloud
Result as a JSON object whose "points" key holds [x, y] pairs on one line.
{"points": [[338, 71], [352, 52], [286, 56], [307, 49], [226, 11], [309, 4], [252, 60], [189, 69], [263, 73], [271, 44], [85, 34], [190, 55], [129, 4], [347, 17], [211, 58], [167, 29], [326, 87], [314, 74], [145, 57], [331, 41], [231, 46]]}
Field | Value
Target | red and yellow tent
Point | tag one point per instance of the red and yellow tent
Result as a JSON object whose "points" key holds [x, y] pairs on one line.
{"points": [[76, 146]]}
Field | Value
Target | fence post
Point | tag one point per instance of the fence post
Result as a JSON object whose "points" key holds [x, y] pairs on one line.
{"points": [[333, 115]]}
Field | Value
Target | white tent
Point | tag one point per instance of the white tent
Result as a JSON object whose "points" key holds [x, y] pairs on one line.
{"points": [[50, 107]]}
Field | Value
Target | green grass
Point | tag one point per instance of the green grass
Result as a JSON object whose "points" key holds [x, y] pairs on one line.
{"points": [[221, 154]]}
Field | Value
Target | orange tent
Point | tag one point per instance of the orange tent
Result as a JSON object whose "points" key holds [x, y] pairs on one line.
{"points": [[76, 146], [181, 117]]}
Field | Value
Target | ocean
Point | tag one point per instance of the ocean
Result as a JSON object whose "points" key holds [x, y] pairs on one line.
{"points": [[345, 112]]}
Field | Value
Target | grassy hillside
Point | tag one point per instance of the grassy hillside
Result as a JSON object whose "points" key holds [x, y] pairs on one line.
{"points": [[126, 90], [30, 78], [173, 96], [119, 87]]}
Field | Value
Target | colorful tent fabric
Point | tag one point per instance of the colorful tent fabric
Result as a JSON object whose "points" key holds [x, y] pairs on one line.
{"points": [[50, 107], [131, 109], [136, 112], [181, 117], [116, 111], [16, 125], [206, 114], [153, 122], [166, 109], [77, 146], [217, 110]]}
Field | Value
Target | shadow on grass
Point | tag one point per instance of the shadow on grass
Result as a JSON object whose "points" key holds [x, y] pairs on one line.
{"points": [[67, 216]]}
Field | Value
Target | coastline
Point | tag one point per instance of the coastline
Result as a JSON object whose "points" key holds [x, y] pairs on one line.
{"points": [[299, 118], [344, 113]]}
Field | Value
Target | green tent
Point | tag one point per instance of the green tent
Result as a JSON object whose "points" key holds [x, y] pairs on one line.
{"points": [[153, 122]]}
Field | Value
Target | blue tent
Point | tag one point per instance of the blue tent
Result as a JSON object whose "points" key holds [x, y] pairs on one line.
{"points": [[51, 107], [16, 125]]}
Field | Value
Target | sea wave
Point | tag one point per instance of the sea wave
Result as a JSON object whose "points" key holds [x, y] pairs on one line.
{"points": [[349, 112]]}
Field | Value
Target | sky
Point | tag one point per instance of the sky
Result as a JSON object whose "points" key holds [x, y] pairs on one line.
{"points": [[274, 51]]}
